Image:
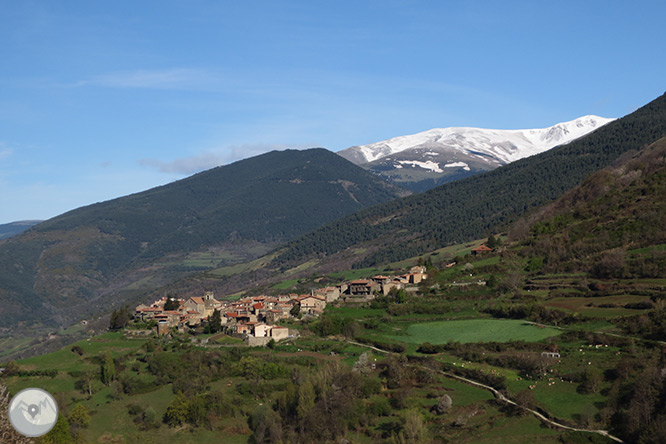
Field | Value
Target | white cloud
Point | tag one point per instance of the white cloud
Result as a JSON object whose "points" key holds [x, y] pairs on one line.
{"points": [[204, 161], [185, 165]]}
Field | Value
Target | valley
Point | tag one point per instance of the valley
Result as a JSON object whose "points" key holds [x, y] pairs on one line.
{"points": [[332, 222], [394, 357], [544, 321]]}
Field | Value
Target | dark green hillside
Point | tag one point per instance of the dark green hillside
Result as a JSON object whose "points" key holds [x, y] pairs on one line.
{"points": [[470, 208], [612, 226], [242, 210]]}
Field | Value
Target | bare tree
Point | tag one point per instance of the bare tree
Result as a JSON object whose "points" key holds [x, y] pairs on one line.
{"points": [[7, 433]]}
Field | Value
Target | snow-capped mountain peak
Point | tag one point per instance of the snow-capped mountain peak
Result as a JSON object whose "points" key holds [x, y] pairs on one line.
{"points": [[504, 145], [439, 155]]}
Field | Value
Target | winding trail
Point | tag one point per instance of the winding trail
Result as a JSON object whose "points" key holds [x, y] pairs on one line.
{"points": [[503, 398]]}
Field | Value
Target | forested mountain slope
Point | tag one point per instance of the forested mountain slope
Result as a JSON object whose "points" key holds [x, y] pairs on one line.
{"points": [[57, 269], [473, 207]]}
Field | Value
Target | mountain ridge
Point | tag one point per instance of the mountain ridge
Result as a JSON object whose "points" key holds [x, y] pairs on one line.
{"points": [[101, 254]]}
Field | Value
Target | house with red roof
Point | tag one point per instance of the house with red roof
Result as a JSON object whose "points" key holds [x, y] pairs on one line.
{"points": [[481, 249]]}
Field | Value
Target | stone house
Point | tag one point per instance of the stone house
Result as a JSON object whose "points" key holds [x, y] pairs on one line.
{"points": [[312, 304], [361, 287], [329, 293], [279, 333]]}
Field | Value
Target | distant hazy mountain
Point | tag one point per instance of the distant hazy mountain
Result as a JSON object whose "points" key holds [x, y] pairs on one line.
{"points": [[97, 256], [14, 228], [430, 158]]}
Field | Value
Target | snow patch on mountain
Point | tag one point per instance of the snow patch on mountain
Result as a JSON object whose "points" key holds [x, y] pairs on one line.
{"points": [[427, 165], [462, 165]]}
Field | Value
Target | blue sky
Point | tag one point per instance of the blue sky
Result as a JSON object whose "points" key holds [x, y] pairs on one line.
{"points": [[103, 99]]}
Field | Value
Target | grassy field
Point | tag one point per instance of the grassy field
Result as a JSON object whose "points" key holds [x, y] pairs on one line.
{"points": [[285, 285], [239, 268], [475, 330], [356, 274]]}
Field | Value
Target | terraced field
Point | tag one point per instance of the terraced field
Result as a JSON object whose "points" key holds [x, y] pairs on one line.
{"points": [[598, 307]]}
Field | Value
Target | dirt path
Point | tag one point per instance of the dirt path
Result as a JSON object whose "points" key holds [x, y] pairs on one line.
{"points": [[312, 354], [503, 398], [308, 354]]}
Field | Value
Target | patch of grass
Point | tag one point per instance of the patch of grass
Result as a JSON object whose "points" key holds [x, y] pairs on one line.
{"points": [[476, 330], [348, 311], [240, 268], [285, 285], [563, 401]]}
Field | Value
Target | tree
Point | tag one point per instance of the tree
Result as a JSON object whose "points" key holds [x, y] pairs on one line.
{"points": [[295, 310], [171, 304], [362, 365], [86, 381], [120, 318], [414, 429], [149, 419], [526, 399], [11, 368], [59, 434], [250, 368], [178, 411], [306, 399], [398, 295], [214, 324], [196, 414], [591, 381], [108, 372], [350, 329], [612, 264], [79, 416], [266, 425]]}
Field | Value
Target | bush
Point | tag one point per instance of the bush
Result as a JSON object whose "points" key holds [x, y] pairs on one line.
{"points": [[381, 407]]}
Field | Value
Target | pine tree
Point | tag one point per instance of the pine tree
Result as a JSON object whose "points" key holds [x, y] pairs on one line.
{"points": [[171, 304], [215, 322], [492, 242], [108, 369], [120, 318]]}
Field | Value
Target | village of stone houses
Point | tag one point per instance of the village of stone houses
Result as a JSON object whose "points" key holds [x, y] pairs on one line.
{"points": [[255, 318]]}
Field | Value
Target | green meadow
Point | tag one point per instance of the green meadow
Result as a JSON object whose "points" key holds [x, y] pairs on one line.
{"points": [[476, 330]]}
